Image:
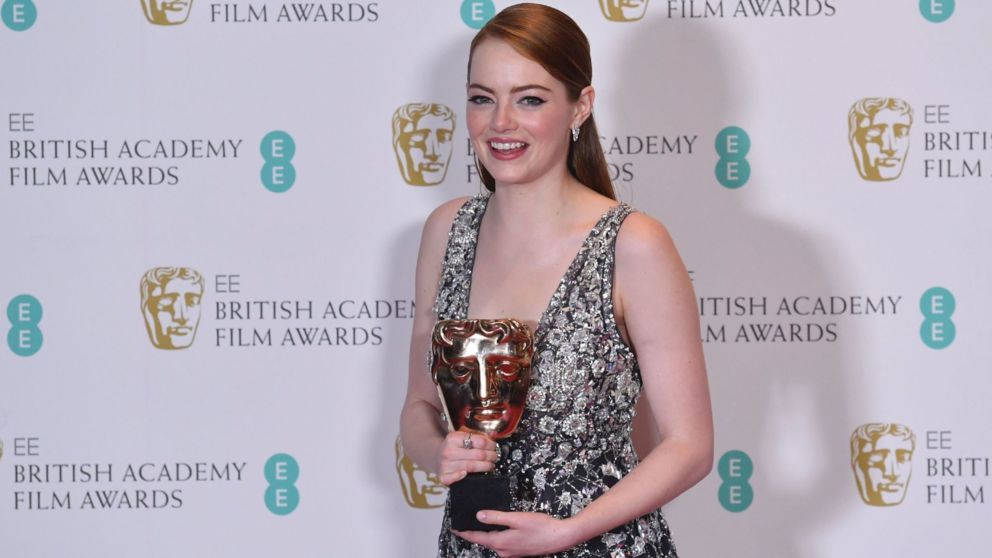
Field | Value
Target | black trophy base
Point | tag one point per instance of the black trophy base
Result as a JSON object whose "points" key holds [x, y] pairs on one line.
{"points": [[475, 492]]}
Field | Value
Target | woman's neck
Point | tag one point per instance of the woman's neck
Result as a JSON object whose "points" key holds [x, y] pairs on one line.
{"points": [[540, 207]]}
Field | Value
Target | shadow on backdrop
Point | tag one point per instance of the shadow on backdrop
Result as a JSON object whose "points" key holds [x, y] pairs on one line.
{"points": [[415, 530], [784, 404]]}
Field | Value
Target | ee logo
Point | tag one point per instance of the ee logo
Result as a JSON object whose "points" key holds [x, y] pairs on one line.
{"points": [[476, 13], [24, 337], [281, 471], [278, 173], [937, 330], [937, 11], [18, 15], [732, 169], [735, 492]]}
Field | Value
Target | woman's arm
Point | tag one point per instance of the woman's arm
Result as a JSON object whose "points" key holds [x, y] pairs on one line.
{"points": [[424, 437], [659, 309]]}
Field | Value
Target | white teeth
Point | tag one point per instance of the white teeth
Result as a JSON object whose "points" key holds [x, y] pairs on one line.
{"points": [[506, 146]]}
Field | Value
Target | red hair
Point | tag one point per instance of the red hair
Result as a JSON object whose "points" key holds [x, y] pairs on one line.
{"points": [[553, 40]]}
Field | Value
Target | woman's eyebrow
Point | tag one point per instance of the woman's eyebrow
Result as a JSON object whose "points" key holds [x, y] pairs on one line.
{"points": [[516, 89]]}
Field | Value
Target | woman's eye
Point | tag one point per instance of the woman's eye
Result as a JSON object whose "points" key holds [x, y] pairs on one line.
{"points": [[479, 99], [532, 101]]}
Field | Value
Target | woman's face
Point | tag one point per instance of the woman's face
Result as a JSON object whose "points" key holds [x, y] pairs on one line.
{"points": [[518, 115]]}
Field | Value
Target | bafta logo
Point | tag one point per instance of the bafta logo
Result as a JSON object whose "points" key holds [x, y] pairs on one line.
{"points": [[882, 460], [161, 12], [623, 10], [878, 129], [422, 140], [170, 305], [420, 489], [481, 369]]}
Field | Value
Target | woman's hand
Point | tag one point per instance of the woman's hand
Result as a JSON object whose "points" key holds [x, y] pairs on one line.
{"points": [[464, 452], [528, 533]]}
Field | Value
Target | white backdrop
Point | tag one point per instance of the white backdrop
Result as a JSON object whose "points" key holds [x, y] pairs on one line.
{"points": [[113, 446]]}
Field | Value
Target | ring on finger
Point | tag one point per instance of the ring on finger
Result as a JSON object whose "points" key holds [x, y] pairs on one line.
{"points": [[467, 442]]}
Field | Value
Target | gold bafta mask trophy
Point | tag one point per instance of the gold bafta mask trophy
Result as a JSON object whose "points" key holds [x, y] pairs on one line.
{"points": [[482, 372]]}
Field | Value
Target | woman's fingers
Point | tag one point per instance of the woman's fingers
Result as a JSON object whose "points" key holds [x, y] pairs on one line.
{"points": [[452, 453], [481, 455], [447, 479], [458, 470], [471, 440], [466, 452], [471, 466], [482, 448]]}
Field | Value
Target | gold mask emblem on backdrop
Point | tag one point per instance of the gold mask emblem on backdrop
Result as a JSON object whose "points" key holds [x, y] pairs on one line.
{"points": [[170, 305], [421, 489], [162, 12], [423, 136], [878, 130], [882, 460], [623, 10]]}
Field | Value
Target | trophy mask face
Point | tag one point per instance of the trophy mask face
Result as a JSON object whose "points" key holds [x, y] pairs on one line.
{"points": [[623, 10], [482, 370], [879, 129], [165, 12], [422, 140], [172, 307], [882, 464], [421, 488]]}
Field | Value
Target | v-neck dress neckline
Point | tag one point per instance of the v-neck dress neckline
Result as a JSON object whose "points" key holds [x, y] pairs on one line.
{"points": [[562, 282]]}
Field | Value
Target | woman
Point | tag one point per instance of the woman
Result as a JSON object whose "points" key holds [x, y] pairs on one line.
{"points": [[621, 318]]}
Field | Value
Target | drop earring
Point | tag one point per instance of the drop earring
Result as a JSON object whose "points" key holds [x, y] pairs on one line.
{"points": [[575, 134]]}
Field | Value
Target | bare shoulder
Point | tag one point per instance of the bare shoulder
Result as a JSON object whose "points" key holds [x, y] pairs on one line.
{"points": [[439, 221], [433, 242], [642, 239], [653, 291]]}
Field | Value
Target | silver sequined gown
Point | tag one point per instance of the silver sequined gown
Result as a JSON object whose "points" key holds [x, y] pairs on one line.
{"points": [[573, 442]]}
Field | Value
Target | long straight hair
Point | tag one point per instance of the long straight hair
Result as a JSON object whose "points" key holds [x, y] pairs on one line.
{"points": [[553, 40]]}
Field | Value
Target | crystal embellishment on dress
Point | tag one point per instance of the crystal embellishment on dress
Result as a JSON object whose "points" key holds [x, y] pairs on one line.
{"points": [[573, 442]]}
